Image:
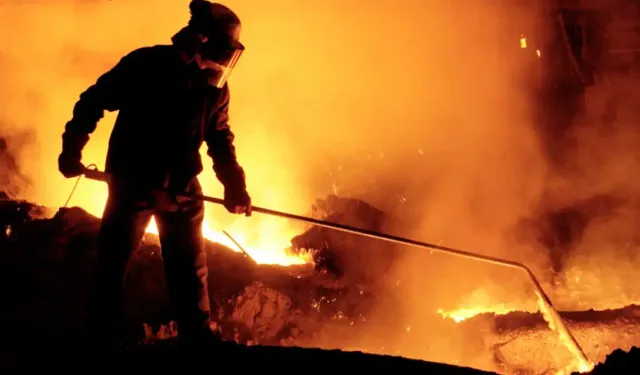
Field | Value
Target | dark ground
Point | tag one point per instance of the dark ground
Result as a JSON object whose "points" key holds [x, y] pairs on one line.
{"points": [[620, 362], [165, 358]]}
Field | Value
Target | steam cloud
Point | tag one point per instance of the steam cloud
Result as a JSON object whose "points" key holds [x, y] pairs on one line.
{"points": [[419, 107]]}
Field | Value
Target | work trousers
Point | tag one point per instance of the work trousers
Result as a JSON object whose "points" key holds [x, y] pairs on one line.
{"points": [[182, 243]]}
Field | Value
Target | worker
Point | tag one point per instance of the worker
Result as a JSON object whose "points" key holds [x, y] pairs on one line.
{"points": [[171, 98]]}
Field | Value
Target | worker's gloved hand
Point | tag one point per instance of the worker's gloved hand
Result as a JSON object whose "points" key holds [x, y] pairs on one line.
{"points": [[70, 166], [237, 201], [70, 160], [236, 198]]}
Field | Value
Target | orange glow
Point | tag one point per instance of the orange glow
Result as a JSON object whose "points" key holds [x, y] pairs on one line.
{"points": [[385, 101], [459, 315], [578, 365]]}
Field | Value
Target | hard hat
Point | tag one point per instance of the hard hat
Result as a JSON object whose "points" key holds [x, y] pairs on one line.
{"points": [[219, 31]]}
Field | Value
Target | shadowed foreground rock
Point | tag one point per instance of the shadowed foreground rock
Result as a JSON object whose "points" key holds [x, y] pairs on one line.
{"points": [[358, 259], [620, 362]]}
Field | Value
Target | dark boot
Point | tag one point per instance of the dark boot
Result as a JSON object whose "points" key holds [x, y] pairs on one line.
{"points": [[203, 341]]}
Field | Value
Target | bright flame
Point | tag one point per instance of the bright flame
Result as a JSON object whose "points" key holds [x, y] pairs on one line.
{"points": [[267, 247], [460, 315], [538, 52], [523, 41], [480, 300]]}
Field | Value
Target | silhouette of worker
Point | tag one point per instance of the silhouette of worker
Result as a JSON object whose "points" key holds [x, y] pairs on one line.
{"points": [[171, 99]]}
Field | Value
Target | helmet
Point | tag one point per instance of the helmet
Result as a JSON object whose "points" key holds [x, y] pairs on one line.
{"points": [[219, 50]]}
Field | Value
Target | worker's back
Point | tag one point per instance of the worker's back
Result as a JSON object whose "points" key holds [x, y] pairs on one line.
{"points": [[163, 115]]}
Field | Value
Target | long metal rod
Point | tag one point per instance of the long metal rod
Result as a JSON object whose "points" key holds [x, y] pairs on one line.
{"points": [[101, 176]]}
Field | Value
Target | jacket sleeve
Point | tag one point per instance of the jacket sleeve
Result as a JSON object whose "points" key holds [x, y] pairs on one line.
{"points": [[219, 139], [106, 94]]}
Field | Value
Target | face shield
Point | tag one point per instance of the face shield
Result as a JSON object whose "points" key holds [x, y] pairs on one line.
{"points": [[218, 63]]}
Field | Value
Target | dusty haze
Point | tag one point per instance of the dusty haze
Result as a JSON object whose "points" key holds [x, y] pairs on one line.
{"points": [[418, 102]]}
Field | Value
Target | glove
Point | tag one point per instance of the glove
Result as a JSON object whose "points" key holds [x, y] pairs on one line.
{"points": [[70, 166], [236, 198], [237, 201], [69, 161]]}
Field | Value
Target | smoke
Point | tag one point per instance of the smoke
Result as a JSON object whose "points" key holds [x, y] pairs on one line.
{"points": [[12, 182], [603, 261], [12, 138], [419, 107]]}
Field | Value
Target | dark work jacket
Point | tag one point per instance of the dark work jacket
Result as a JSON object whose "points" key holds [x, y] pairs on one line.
{"points": [[166, 111]]}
